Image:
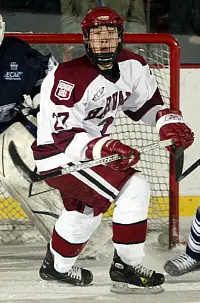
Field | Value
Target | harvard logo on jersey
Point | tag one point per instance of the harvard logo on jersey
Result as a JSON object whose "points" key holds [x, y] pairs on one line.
{"points": [[64, 90]]}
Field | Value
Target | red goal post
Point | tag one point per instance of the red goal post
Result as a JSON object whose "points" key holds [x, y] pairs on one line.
{"points": [[164, 59]]}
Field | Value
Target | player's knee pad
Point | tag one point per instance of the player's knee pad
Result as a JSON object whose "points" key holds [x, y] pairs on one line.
{"points": [[133, 201], [76, 227]]}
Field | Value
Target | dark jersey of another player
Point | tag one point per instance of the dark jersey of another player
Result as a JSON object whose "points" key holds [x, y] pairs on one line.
{"points": [[22, 70]]}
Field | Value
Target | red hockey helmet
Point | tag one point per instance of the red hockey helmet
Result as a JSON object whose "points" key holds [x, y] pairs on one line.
{"points": [[98, 17]]}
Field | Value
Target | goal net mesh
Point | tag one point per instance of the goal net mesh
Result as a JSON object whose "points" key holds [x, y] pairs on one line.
{"points": [[154, 165]]}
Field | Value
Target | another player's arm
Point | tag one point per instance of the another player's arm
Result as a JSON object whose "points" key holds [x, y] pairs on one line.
{"points": [[146, 104], [22, 71], [37, 67]]}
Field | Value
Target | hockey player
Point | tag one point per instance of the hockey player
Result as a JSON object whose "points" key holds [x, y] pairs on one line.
{"points": [[22, 69], [79, 101], [190, 260]]}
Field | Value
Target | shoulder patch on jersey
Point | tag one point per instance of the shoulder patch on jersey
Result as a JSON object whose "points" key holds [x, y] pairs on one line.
{"points": [[99, 94], [64, 90]]}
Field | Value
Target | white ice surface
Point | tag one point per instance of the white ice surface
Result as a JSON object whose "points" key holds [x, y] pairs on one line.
{"points": [[20, 282]]}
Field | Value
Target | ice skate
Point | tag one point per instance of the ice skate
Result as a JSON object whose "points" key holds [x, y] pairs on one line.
{"points": [[181, 265], [76, 275], [137, 279]]}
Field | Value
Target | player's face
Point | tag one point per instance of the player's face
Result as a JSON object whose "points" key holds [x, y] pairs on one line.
{"points": [[104, 39]]}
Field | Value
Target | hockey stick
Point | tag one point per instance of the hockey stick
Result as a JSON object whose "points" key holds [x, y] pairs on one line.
{"points": [[33, 177], [189, 170], [46, 213], [179, 162]]}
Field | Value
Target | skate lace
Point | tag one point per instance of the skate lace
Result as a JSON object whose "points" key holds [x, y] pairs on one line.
{"points": [[142, 271], [184, 261], [75, 273]]}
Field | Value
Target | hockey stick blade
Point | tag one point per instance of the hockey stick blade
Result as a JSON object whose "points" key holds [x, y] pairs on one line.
{"points": [[33, 177], [24, 170], [179, 161]]}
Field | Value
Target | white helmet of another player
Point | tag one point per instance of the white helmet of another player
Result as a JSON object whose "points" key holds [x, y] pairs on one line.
{"points": [[2, 29]]}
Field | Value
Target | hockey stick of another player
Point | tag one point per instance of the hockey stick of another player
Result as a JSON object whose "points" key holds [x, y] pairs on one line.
{"points": [[33, 177], [189, 170], [46, 213]]}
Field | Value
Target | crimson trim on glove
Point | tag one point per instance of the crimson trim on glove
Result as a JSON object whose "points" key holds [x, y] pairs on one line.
{"points": [[105, 146], [170, 125]]}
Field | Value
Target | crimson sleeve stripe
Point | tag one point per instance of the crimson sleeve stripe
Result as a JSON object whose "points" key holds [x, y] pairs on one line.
{"points": [[44, 151], [134, 233], [64, 138], [65, 248], [61, 139], [156, 99]]}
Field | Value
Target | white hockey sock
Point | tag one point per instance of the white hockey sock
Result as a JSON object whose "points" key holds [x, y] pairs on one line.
{"points": [[130, 220], [72, 231]]}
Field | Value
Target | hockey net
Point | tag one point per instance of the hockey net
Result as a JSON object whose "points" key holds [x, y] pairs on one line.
{"points": [[162, 54]]}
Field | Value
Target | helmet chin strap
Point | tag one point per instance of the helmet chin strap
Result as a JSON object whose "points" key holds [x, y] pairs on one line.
{"points": [[104, 59]]}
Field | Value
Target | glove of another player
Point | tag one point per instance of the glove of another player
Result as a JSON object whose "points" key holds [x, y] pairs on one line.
{"points": [[105, 146], [170, 125]]}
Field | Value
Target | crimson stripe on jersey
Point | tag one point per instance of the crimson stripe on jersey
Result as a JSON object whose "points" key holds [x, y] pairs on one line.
{"points": [[62, 140], [44, 151], [65, 248], [134, 233], [95, 182], [65, 137], [156, 99]]}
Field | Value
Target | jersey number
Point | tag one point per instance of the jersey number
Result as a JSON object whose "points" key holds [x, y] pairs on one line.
{"points": [[106, 122], [64, 116], [60, 119]]}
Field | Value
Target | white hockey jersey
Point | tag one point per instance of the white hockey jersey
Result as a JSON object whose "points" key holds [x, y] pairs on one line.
{"points": [[79, 103]]}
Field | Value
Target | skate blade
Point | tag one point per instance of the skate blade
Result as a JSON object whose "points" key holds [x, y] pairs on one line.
{"points": [[125, 288]]}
